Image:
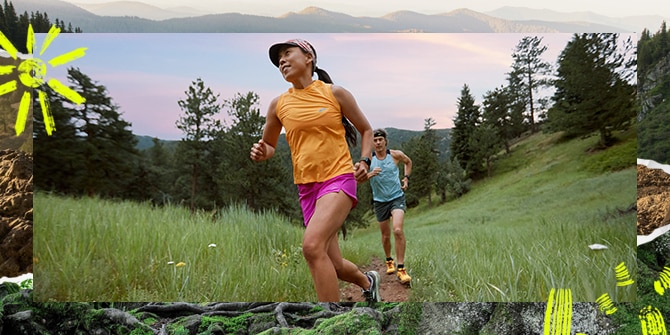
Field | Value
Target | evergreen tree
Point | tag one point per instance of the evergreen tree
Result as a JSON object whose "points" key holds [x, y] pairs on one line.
{"points": [[456, 178], [15, 27], [653, 128], [260, 185], [92, 151], [199, 126], [496, 114], [593, 92], [108, 142], [531, 70], [466, 122], [59, 162], [152, 179], [487, 143], [425, 163]]}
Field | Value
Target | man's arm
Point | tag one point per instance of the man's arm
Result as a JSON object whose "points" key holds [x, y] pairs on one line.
{"points": [[400, 156]]}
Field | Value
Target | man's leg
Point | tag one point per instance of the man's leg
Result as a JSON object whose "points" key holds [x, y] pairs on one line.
{"points": [[385, 228], [399, 235]]}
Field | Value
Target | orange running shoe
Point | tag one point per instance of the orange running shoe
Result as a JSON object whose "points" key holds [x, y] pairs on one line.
{"points": [[390, 267], [403, 276]]}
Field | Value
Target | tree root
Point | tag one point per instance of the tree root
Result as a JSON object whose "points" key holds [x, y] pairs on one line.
{"points": [[299, 312]]}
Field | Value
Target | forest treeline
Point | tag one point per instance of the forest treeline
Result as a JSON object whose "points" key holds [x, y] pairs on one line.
{"points": [[93, 150], [654, 90], [15, 27]]}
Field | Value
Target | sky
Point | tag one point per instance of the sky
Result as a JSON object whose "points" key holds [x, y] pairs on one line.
{"points": [[398, 80], [382, 7]]}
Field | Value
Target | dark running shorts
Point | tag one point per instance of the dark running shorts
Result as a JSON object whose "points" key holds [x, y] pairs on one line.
{"points": [[383, 209]]}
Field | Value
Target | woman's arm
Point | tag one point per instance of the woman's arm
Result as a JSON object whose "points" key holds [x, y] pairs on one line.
{"points": [[352, 112], [265, 148]]}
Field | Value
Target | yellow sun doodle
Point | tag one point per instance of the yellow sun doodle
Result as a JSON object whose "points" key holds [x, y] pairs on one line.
{"points": [[32, 73], [652, 321], [663, 281], [558, 315], [622, 276]]}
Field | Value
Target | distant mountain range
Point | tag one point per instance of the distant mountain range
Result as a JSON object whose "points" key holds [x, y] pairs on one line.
{"points": [[137, 17], [397, 137]]}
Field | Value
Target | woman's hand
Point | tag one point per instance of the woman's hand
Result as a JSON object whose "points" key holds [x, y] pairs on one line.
{"points": [[261, 151], [361, 172]]}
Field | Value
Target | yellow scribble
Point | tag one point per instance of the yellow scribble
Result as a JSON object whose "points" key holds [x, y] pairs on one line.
{"points": [[606, 304], [49, 123], [30, 40], [65, 91], [32, 72], [622, 276], [558, 316], [8, 46], [6, 69], [652, 322], [8, 87], [24, 108], [68, 57], [51, 35], [663, 282]]}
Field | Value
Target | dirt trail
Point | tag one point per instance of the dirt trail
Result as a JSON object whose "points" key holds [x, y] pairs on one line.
{"points": [[390, 288]]}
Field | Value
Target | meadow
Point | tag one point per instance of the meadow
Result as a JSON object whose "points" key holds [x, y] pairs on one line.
{"points": [[513, 237]]}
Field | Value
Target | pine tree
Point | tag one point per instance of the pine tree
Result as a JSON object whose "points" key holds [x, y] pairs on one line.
{"points": [[108, 142], [425, 163], [466, 122], [15, 27], [92, 150], [487, 144], [58, 158], [593, 92], [531, 70], [496, 113], [199, 126]]}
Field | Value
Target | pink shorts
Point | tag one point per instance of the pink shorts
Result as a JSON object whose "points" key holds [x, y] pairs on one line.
{"points": [[311, 192]]}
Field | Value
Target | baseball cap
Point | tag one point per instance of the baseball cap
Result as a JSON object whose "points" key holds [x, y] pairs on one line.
{"points": [[302, 44]]}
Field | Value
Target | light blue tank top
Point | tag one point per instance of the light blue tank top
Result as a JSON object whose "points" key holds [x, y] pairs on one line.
{"points": [[386, 185]]}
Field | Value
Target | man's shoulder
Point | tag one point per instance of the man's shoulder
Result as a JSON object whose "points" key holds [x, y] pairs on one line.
{"points": [[374, 154]]}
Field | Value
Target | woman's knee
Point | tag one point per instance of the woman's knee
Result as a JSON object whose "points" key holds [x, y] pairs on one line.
{"points": [[312, 250]]}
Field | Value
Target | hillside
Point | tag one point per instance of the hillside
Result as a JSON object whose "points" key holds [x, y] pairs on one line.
{"points": [[549, 200]]}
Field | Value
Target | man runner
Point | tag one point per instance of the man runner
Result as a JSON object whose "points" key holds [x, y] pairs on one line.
{"points": [[389, 199]]}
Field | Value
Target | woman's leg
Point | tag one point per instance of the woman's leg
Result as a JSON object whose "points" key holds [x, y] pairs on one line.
{"points": [[346, 270], [329, 215]]}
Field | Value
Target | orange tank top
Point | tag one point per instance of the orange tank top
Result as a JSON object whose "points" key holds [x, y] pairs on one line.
{"points": [[313, 121]]}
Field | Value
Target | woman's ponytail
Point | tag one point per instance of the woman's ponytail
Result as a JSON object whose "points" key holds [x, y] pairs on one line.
{"points": [[350, 130]]}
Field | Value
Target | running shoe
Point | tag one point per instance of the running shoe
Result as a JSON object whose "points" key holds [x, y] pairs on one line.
{"points": [[372, 294], [403, 276], [390, 267]]}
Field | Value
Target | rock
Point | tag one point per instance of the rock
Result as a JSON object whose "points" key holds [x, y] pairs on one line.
{"points": [[450, 318], [16, 213], [506, 319]]}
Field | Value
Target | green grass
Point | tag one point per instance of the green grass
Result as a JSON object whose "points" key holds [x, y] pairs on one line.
{"points": [[95, 250], [514, 237], [517, 235]]}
